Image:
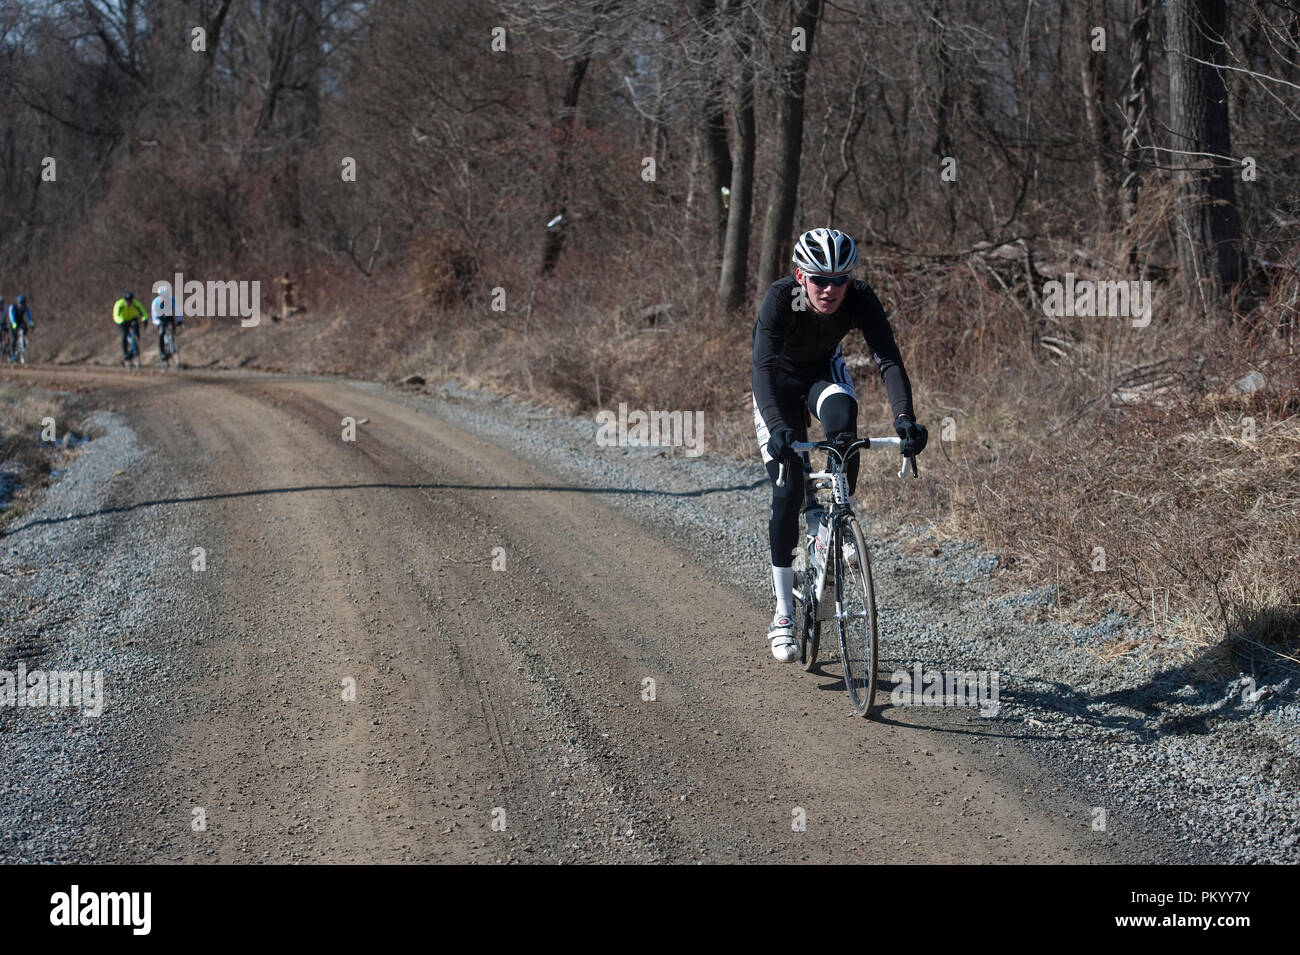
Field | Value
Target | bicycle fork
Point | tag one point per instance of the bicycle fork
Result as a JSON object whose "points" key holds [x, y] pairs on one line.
{"points": [[834, 555], [839, 503]]}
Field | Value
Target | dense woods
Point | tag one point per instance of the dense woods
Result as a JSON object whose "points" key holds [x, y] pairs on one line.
{"points": [[139, 134]]}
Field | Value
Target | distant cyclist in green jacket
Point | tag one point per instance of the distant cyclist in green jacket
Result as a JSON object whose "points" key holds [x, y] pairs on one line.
{"points": [[129, 313]]}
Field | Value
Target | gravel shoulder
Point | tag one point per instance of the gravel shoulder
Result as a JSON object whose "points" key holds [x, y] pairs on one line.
{"points": [[500, 714]]}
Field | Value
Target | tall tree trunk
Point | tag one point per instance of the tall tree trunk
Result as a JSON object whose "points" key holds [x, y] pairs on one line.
{"points": [[280, 52], [203, 85], [1251, 43], [1135, 121], [562, 136], [1094, 95], [1209, 225], [720, 169], [784, 192], [735, 254], [943, 107], [711, 144]]}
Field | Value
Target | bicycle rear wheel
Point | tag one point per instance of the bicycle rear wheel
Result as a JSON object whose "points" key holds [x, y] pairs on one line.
{"points": [[859, 636]]}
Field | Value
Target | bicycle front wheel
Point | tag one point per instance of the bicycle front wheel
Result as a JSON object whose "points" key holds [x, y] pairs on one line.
{"points": [[806, 615], [856, 614]]}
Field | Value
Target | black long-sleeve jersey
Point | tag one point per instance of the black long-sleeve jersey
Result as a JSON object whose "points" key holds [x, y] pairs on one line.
{"points": [[801, 343]]}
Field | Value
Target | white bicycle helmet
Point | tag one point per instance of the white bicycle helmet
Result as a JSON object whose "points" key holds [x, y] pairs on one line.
{"points": [[825, 252]]}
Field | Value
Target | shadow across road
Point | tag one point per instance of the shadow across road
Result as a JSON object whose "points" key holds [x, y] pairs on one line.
{"points": [[377, 485]]}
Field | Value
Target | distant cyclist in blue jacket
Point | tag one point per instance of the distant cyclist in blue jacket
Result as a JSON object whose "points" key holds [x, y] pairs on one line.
{"points": [[17, 316]]}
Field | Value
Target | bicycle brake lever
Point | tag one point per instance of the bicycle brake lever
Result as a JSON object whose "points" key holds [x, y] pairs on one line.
{"points": [[902, 473]]}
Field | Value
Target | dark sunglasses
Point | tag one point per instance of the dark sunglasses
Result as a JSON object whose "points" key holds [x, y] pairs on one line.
{"points": [[821, 281]]}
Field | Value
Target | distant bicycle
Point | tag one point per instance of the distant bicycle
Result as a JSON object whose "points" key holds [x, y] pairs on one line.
{"points": [[165, 317], [19, 353], [171, 351], [132, 357], [837, 553]]}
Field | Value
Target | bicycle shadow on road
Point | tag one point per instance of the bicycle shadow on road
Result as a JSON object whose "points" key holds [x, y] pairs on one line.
{"points": [[699, 492], [834, 683], [1177, 701]]}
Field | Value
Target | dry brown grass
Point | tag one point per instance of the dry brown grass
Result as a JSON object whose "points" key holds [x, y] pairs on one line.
{"points": [[1191, 490], [23, 455]]}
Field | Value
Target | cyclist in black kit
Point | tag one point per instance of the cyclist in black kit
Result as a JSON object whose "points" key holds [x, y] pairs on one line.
{"points": [[797, 359]]}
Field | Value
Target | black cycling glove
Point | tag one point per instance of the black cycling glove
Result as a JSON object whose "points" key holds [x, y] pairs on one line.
{"points": [[778, 445], [914, 436]]}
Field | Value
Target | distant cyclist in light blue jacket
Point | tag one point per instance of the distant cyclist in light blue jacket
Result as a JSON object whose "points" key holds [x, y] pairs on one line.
{"points": [[164, 312]]}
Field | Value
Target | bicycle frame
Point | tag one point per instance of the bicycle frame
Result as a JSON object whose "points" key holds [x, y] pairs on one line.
{"points": [[840, 510], [853, 609]]}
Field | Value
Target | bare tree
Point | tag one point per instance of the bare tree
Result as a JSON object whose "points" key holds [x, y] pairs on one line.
{"points": [[711, 126], [945, 97], [1094, 97], [576, 35], [734, 273], [784, 191], [562, 136], [1209, 225], [213, 16], [1136, 105]]}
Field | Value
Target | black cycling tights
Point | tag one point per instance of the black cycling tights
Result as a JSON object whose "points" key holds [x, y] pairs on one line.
{"points": [[839, 416]]}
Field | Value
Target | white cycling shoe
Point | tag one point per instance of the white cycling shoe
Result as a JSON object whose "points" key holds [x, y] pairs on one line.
{"points": [[781, 638]]}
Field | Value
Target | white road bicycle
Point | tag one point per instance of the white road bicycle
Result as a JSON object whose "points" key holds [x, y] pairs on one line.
{"points": [[838, 555], [20, 345], [171, 351]]}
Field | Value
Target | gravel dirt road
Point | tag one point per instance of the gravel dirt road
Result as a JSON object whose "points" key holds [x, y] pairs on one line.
{"points": [[500, 712]]}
